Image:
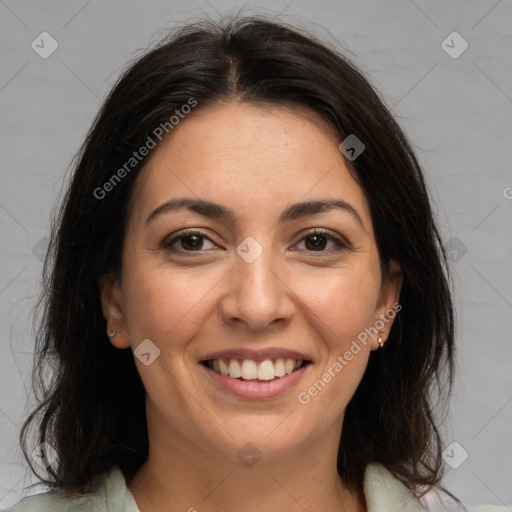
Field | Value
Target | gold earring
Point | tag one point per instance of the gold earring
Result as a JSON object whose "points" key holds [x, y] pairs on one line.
{"points": [[112, 334], [380, 339]]}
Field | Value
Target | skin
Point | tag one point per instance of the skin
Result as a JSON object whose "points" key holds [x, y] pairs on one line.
{"points": [[256, 160]]}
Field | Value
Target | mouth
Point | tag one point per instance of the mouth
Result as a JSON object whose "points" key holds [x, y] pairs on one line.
{"points": [[255, 374], [267, 370]]}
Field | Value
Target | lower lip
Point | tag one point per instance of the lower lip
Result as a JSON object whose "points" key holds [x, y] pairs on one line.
{"points": [[254, 389]]}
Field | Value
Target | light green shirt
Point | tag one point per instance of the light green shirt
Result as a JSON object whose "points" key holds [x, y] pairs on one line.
{"points": [[382, 490]]}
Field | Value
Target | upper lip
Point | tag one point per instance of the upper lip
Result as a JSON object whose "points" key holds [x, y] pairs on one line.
{"points": [[257, 355]]}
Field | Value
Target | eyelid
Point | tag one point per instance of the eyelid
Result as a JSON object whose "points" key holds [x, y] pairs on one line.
{"points": [[340, 242], [170, 240]]}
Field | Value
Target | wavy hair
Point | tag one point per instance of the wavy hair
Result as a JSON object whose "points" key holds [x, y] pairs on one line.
{"points": [[92, 410]]}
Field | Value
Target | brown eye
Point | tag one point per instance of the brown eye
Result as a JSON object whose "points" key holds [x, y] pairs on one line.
{"points": [[316, 241], [187, 241]]}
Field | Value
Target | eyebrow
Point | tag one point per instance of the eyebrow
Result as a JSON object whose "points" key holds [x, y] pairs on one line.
{"points": [[218, 211]]}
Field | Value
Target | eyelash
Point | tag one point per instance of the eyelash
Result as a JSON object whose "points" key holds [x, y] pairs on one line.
{"points": [[339, 243]]}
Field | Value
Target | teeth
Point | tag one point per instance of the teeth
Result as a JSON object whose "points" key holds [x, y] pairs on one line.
{"points": [[279, 369], [266, 370], [247, 369], [234, 369], [289, 365], [224, 369]]}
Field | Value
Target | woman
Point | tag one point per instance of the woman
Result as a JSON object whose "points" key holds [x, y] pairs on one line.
{"points": [[249, 220]]}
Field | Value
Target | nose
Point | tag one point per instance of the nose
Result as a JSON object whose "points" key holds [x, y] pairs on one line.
{"points": [[258, 294]]}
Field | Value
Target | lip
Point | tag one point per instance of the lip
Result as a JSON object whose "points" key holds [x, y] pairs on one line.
{"points": [[252, 389], [257, 355]]}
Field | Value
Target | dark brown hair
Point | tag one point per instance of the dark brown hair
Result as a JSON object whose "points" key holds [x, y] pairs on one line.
{"points": [[92, 411]]}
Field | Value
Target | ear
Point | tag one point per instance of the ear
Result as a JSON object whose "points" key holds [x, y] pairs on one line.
{"points": [[387, 304], [112, 306]]}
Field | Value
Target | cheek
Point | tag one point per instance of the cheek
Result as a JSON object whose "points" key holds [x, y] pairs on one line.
{"points": [[342, 302], [162, 304], [342, 306]]}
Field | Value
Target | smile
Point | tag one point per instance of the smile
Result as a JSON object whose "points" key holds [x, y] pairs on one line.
{"points": [[246, 378], [247, 369]]}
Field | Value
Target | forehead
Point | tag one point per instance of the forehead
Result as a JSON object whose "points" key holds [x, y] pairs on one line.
{"points": [[248, 155]]}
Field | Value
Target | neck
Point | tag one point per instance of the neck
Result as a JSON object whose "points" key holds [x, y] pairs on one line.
{"points": [[181, 476]]}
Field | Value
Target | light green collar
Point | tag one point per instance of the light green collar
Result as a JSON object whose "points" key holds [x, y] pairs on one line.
{"points": [[385, 493], [382, 490]]}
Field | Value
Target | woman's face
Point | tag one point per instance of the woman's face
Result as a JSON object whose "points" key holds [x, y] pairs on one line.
{"points": [[253, 281]]}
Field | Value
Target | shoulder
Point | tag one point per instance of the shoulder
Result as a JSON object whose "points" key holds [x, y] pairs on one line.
{"points": [[108, 496], [385, 493], [488, 508], [50, 501]]}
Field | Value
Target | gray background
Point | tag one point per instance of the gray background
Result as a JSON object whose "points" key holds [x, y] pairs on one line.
{"points": [[457, 112]]}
